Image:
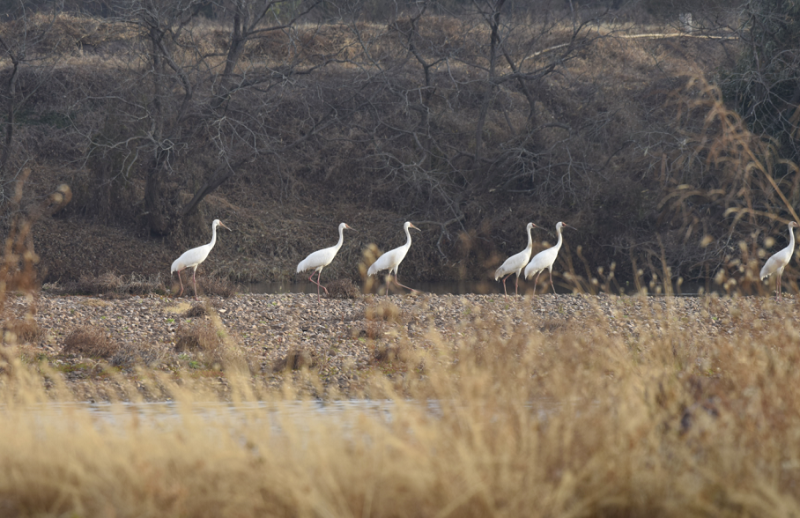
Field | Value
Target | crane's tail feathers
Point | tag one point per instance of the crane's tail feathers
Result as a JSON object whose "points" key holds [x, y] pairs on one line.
{"points": [[302, 267], [372, 270]]}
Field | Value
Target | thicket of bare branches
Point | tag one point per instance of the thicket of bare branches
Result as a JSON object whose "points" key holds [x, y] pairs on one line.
{"points": [[472, 116]]}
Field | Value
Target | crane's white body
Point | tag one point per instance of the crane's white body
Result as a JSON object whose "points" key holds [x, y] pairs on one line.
{"points": [[516, 262], [192, 258], [391, 260], [779, 260], [545, 259], [318, 260]]}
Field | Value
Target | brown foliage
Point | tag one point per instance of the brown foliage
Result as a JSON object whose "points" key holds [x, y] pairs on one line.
{"points": [[200, 336], [128, 355], [90, 341], [196, 311], [295, 359], [215, 286], [385, 311], [343, 289], [15, 331], [110, 284]]}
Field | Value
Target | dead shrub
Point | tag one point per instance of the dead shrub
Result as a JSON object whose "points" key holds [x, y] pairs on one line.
{"points": [[295, 359], [106, 283], [90, 341], [389, 353], [196, 311], [215, 286], [385, 311], [343, 289], [551, 325], [139, 354], [143, 285], [15, 331], [201, 337]]}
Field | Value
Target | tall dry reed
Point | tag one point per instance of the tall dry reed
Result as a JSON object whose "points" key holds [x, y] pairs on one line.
{"points": [[576, 420]]}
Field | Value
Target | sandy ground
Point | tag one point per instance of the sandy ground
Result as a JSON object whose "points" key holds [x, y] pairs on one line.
{"points": [[341, 339]]}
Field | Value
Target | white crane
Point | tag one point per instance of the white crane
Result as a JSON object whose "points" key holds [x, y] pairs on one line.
{"points": [[391, 260], [545, 259], [318, 260], [516, 263], [778, 262], [192, 258]]}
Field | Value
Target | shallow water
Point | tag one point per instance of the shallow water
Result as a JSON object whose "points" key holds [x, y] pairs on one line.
{"points": [[274, 415]]}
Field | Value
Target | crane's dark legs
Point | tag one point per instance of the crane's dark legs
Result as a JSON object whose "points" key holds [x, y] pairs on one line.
{"points": [[504, 284], [516, 285], [778, 294], [403, 285], [319, 272], [181, 281], [194, 282], [536, 282], [552, 283]]}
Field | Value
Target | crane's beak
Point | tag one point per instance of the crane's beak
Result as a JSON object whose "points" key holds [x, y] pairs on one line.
{"points": [[221, 224], [570, 226], [412, 226], [348, 226]]}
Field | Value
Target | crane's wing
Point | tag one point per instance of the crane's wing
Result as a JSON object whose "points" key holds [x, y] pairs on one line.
{"points": [[317, 259], [512, 264], [775, 263]]}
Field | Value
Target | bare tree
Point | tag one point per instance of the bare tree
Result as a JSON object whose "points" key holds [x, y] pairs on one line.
{"points": [[18, 44]]}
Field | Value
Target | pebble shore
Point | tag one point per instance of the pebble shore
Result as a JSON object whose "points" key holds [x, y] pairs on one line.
{"points": [[343, 337]]}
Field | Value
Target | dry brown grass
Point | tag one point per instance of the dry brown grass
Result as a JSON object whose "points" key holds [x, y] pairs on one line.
{"points": [[343, 289], [571, 422], [200, 336], [19, 331], [196, 311], [113, 285], [295, 359], [215, 286], [90, 341]]}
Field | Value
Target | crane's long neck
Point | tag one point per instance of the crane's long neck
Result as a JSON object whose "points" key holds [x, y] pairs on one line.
{"points": [[791, 239], [530, 241], [560, 239], [408, 238], [341, 238], [213, 236]]}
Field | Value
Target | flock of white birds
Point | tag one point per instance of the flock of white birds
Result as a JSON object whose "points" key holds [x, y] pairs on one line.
{"points": [[391, 260]]}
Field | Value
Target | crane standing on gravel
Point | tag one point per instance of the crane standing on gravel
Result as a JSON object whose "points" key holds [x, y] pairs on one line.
{"points": [[545, 259], [192, 258], [516, 263], [391, 260], [778, 262], [318, 260]]}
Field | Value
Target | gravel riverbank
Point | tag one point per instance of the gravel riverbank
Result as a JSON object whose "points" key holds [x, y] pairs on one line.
{"points": [[341, 339]]}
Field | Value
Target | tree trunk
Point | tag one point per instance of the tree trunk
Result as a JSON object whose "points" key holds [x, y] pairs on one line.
{"points": [[157, 217], [9, 137]]}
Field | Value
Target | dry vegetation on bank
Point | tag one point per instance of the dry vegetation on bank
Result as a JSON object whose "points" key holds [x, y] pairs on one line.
{"points": [[555, 406], [479, 405]]}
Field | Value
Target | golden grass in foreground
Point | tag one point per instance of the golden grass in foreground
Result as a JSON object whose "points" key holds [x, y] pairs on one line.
{"points": [[576, 423]]}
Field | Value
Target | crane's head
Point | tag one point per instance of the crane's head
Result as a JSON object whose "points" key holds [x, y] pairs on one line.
{"points": [[562, 224], [793, 224], [344, 226], [218, 223], [532, 225], [409, 225]]}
